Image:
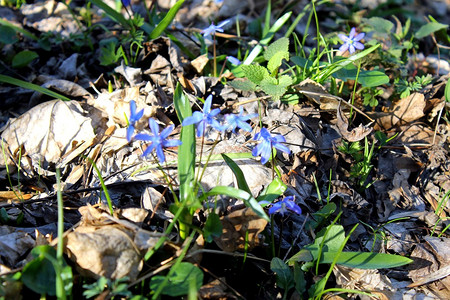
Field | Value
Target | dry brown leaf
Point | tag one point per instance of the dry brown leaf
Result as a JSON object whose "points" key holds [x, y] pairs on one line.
{"points": [[107, 251], [316, 92], [14, 244], [356, 134], [404, 111], [236, 225], [216, 290], [48, 131], [363, 280]]}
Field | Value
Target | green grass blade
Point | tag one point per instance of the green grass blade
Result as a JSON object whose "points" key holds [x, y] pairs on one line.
{"points": [[242, 183], [166, 21], [31, 86], [239, 194], [275, 189], [112, 13]]}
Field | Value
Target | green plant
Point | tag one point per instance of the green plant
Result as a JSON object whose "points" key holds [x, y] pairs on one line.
{"points": [[405, 88], [118, 287], [360, 170], [267, 78]]}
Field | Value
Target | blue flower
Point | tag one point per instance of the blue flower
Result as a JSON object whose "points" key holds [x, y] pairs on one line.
{"points": [[234, 60], [158, 140], [267, 142], [284, 205], [134, 117], [205, 118], [126, 2], [233, 121], [351, 42], [212, 29]]}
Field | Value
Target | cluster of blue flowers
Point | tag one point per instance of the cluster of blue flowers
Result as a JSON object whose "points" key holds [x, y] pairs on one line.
{"points": [[202, 120]]}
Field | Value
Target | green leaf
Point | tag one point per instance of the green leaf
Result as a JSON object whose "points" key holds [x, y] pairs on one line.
{"points": [[279, 46], [285, 279], [31, 86], [428, 29], [186, 161], [299, 278], [243, 84], [8, 35], [166, 21], [255, 73], [276, 88], [366, 260], [380, 25], [112, 13], [370, 78], [18, 29], [275, 189], [180, 281], [447, 91], [39, 274], [239, 194], [276, 60], [267, 38], [212, 228], [23, 58], [242, 183]]}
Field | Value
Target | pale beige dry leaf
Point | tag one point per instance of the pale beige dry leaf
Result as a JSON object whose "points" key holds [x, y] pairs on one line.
{"points": [[200, 63], [236, 226], [356, 134], [48, 131]]}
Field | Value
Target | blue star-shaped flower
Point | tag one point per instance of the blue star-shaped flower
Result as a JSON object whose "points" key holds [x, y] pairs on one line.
{"points": [[234, 121], [205, 118], [126, 2], [212, 29], [134, 117], [284, 205], [351, 42], [158, 140], [267, 142]]}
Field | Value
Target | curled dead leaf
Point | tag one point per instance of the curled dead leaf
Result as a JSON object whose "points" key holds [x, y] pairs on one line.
{"points": [[236, 226], [356, 134]]}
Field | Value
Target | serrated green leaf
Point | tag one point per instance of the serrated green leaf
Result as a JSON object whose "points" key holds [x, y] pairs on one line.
{"points": [[281, 45], [180, 280], [272, 87], [23, 58], [428, 29], [285, 279], [380, 25], [285, 80], [255, 73], [276, 60], [240, 178], [243, 84]]}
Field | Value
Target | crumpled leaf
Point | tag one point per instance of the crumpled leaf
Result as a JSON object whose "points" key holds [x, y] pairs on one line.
{"points": [[356, 134], [47, 132], [132, 75], [317, 93], [106, 246], [236, 225], [404, 111], [13, 245]]}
